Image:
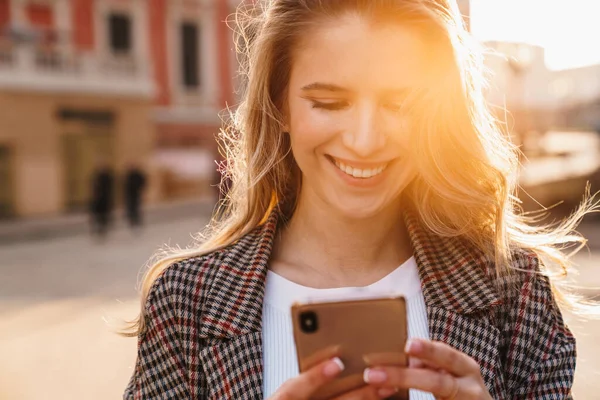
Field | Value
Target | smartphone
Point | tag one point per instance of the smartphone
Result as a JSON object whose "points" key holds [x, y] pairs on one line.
{"points": [[365, 332]]}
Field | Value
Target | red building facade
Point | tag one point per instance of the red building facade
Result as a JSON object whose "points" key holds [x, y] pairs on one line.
{"points": [[123, 80], [191, 49]]}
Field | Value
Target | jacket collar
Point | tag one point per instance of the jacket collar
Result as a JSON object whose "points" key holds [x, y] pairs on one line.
{"points": [[454, 276], [235, 293]]}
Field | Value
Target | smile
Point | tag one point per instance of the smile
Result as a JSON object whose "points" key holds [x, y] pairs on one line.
{"points": [[363, 173]]}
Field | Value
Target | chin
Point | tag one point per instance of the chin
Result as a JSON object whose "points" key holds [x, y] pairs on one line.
{"points": [[358, 209]]}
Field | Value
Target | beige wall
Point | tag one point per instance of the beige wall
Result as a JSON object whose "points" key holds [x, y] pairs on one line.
{"points": [[28, 123], [507, 89]]}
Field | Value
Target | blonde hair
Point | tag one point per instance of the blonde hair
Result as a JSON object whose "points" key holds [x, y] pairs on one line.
{"points": [[469, 196]]}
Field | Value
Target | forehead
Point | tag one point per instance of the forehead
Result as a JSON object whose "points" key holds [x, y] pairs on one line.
{"points": [[359, 54]]}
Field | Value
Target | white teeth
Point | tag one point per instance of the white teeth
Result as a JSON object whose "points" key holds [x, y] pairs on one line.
{"points": [[360, 173]]}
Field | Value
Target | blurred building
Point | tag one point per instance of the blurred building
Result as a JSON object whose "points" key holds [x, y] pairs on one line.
{"points": [[576, 94], [195, 65], [537, 98], [518, 83], [519, 76], [124, 81]]}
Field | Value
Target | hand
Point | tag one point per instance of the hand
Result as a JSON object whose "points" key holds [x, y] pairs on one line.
{"points": [[305, 385], [434, 367]]}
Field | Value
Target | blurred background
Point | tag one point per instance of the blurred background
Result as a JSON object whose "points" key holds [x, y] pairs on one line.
{"points": [[108, 116]]}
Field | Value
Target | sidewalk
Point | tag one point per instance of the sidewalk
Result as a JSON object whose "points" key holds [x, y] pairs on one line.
{"points": [[74, 224]]}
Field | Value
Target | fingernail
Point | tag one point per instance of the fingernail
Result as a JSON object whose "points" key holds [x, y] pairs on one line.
{"points": [[333, 367], [374, 376], [413, 346], [384, 393]]}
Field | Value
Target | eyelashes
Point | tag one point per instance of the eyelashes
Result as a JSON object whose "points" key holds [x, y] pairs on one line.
{"points": [[331, 106], [341, 105]]}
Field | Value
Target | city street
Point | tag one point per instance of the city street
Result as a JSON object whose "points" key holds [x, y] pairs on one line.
{"points": [[61, 300]]}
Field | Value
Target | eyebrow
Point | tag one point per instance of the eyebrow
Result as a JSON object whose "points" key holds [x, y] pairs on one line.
{"points": [[324, 86], [405, 92], [329, 87]]}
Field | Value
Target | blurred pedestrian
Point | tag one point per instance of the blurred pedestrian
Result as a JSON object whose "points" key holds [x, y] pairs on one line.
{"points": [[101, 204], [135, 183]]}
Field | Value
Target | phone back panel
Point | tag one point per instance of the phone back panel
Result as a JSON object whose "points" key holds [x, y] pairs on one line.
{"points": [[359, 328]]}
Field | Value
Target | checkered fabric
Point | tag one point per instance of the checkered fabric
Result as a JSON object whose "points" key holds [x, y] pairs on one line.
{"points": [[203, 316]]}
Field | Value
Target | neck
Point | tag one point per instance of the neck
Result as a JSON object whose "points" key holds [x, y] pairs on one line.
{"points": [[321, 247]]}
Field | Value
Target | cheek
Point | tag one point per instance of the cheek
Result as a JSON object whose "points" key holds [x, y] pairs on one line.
{"points": [[398, 129], [310, 127]]}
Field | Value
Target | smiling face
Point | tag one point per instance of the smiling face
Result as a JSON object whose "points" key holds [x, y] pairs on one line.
{"points": [[348, 132]]}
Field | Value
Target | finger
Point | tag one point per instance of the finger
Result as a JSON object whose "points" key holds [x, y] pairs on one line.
{"points": [[443, 356], [307, 383], [320, 356], [440, 384], [414, 362]]}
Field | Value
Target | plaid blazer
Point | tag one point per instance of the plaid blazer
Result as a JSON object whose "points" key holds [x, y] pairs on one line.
{"points": [[203, 315]]}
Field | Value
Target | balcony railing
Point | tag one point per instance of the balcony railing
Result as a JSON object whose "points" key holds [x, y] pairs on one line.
{"points": [[29, 66]]}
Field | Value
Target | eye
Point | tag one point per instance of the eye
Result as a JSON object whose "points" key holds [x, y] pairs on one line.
{"points": [[395, 107], [332, 106]]}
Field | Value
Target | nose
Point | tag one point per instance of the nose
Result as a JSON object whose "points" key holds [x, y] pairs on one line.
{"points": [[365, 135]]}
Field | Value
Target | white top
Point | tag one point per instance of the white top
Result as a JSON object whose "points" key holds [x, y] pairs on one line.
{"points": [[279, 351]]}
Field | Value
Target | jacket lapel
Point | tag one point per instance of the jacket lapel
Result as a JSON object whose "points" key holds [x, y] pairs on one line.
{"points": [[457, 284], [232, 317], [453, 274]]}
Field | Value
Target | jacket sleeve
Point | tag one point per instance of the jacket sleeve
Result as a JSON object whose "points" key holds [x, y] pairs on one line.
{"points": [[541, 351], [159, 370]]}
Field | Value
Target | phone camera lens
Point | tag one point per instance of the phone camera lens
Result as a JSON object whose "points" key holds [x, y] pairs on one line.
{"points": [[309, 322]]}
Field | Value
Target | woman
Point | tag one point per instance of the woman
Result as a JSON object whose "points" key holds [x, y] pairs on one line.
{"points": [[361, 156]]}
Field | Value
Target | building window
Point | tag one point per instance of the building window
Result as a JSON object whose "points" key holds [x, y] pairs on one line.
{"points": [[40, 16], [190, 55], [119, 28]]}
